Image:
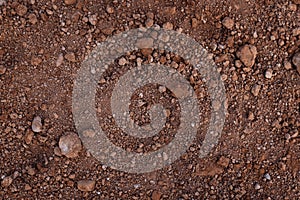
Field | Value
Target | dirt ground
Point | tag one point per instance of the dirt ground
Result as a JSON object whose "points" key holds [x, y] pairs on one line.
{"points": [[255, 45]]}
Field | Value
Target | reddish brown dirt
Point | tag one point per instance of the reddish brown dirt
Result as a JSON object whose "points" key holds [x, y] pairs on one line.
{"points": [[258, 155]]}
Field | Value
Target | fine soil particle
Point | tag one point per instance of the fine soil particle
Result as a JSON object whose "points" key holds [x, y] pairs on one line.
{"points": [[255, 45]]}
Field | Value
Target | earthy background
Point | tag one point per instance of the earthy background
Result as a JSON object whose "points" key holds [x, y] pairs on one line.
{"points": [[254, 44]]}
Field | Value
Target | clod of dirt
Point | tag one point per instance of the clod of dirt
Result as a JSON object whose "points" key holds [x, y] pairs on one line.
{"points": [[247, 55], [7, 181], [36, 124], [228, 23], [70, 145], [296, 61], [86, 185]]}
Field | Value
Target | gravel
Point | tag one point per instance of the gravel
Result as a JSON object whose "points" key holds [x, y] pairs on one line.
{"points": [[43, 45]]}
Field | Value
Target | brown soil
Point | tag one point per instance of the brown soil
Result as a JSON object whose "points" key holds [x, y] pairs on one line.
{"points": [[42, 45]]}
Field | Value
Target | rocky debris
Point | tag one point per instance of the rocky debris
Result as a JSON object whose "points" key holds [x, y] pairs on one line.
{"points": [[86, 185], [296, 61], [255, 89], [269, 73], [70, 145], [70, 57], [247, 55], [70, 2], [21, 10], [2, 70], [7, 181], [228, 23], [156, 195], [36, 124]]}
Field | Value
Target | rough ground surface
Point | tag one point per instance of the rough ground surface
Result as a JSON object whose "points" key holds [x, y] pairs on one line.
{"points": [[42, 44]]}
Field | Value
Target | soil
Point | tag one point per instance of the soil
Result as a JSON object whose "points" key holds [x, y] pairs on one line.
{"points": [[255, 45]]}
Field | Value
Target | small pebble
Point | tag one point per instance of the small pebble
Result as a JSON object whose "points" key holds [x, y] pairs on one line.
{"points": [[195, 23], [149, 23], [21, 10], [257, 186], [86, 185], [228, 23], [122, 61], [255, 90], [93, 19], [296, 61], [269, 73], [70, 57], [168, 26], [36, 124], [2, 70], [267, 176], [35, 61], [156, 195], [70, 145], [60, 60], [70, 2], [109, 10], [7, 181], [287, 65]]}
